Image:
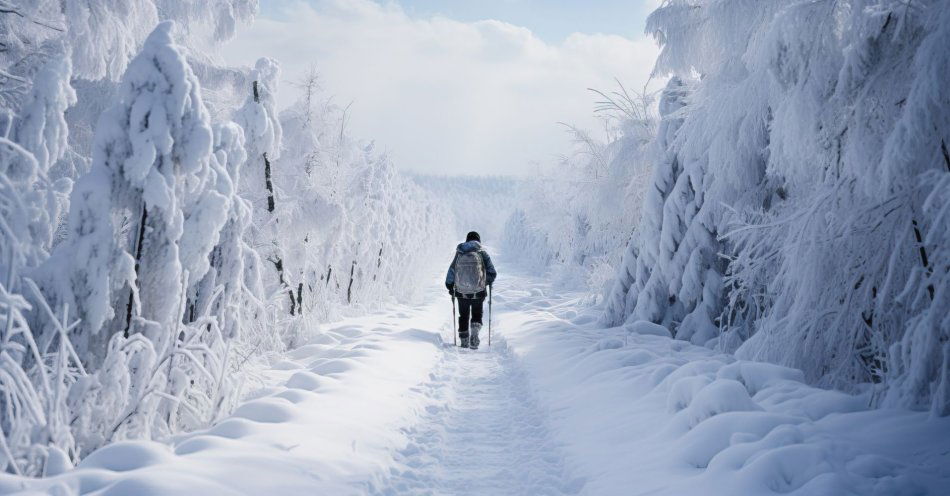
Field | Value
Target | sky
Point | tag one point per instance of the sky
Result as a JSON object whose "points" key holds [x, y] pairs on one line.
{"points": [[457, 86]]}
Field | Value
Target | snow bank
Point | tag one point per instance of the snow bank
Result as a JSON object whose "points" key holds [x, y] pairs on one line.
{"points": [[647, 414], [325, 417], [559, 405]]}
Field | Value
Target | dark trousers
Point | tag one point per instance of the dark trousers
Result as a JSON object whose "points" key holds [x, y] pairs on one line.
{"points": [[469, 309]]}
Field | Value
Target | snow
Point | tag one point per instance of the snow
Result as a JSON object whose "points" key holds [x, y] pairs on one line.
{"points": [[482, 433], [575, 217], [660, 416], [788, 201], [287, 438], [479, 203], [742, 287], [383, 404], [137, 301]]}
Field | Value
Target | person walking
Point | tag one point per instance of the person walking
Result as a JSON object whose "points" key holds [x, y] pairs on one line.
{"points": [[470, 275]]}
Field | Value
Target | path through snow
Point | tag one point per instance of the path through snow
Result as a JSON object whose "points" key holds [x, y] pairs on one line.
{"points": [[383, 405], [483, 433]]}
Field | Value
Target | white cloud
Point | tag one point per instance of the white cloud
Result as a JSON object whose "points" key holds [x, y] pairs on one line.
{"points": [[442, 95]]}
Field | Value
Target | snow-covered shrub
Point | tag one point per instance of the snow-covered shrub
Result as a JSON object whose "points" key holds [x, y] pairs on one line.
{"points": [[128, 214], [35, 370], [796, 208], [353, 232], [674, 275], [32, 387], [577, 216], [231, 288], [142, 224]]}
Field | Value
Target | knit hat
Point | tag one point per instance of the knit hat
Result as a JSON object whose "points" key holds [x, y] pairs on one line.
{"points": [[473, 236]]}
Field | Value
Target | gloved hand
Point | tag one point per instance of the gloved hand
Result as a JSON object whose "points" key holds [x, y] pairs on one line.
{"points": [[451, 288]]}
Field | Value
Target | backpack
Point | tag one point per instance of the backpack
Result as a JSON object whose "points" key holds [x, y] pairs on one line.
{"points": [[470, 275]]}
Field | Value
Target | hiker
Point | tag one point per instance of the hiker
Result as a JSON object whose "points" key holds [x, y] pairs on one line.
{"points": [[469, 275]]}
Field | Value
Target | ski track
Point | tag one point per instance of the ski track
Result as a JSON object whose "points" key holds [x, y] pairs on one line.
{"points": [[483, 433]]}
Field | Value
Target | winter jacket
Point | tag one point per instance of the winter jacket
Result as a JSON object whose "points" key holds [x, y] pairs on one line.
{"points": [[467, 247]]}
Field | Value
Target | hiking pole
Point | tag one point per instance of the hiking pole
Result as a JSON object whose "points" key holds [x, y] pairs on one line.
{"points": [[489, 316], [454, 332]]}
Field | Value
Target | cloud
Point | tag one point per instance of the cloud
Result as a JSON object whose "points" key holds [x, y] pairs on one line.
{"points": [[442, 95]]}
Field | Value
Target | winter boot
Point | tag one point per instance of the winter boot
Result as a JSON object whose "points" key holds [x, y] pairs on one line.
{"points": [[463, 341], [476, 326]]}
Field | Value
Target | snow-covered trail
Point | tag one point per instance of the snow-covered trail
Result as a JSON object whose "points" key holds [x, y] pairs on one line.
{"points": [[483, 433], [385, 405], [379, 404]]}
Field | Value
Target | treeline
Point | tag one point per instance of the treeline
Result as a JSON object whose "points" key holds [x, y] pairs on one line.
{"points": [[479, 203], [798, 206], [163, 228]]}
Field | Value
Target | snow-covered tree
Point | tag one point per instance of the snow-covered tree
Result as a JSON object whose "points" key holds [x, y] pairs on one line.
{"points": [[916, 169], [132, 248], [671, 273], [797, 209], [231, 289], [258, 117], [38, 139], [802, 171], [152, 151], [32, 388], [152, 283], [354, 232], [633, 288], [577, 217]]}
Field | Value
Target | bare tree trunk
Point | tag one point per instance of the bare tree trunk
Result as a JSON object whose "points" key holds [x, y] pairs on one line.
{"points": [[271, 207], [349, 288], [300, 298], [138, 257], [379, 262], [268, 183], [924, 260]]}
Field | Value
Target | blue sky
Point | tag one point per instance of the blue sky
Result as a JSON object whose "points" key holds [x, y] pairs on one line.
{"points": [[551, 20], [457, 86]]}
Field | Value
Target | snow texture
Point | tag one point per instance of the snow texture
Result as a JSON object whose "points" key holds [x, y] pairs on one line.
{"points": [[382, 405], [762, 250]]}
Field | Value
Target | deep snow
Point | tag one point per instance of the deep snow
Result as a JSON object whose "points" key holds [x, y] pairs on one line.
{"points": [[383, 404]]}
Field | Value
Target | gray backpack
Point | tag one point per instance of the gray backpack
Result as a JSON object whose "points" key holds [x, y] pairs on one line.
{"points": [[470, 275]]}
